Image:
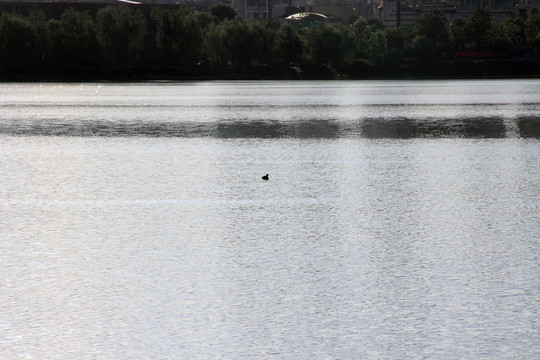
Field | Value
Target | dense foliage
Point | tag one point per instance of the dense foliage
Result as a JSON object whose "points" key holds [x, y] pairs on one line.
{"points": [[183, 43]]}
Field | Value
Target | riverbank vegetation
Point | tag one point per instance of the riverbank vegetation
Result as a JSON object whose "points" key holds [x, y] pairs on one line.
{"points": [[124, 43]]}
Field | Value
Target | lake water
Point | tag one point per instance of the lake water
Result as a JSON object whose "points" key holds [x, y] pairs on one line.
{"points": [[401, 220]]}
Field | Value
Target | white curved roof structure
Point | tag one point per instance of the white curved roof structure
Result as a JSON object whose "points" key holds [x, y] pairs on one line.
{"points": [[307, 16]]}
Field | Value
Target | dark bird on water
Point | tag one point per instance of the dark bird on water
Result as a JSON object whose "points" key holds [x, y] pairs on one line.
{"points": [[265, 177]]}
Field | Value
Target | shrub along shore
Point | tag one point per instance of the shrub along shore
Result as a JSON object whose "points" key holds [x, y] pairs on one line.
{"points": [[123, 43]]}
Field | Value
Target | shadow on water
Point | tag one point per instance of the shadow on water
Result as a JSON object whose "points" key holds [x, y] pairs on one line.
{"points": [[371, 128]]}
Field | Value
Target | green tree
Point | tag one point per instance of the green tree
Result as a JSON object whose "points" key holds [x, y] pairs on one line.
{"points": [[263, 35], [326, 45], [514, 28], [377, 45], [121, 31], [361, 32], [532, 31], [72, 39], [205, 21], [369, 39], [214, 44], [19, 43], [458, 33], [238, 42], [178, 35], [376, 24], [222, 12], [479, 29], [482, 33], [230, 42], [398, 41], [435, 28], [289, 45], [40, 22], [423, 48], [500, 39]]}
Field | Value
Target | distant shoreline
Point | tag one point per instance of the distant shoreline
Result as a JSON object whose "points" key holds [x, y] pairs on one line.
{"points": [[504, 69], [154, 43]]}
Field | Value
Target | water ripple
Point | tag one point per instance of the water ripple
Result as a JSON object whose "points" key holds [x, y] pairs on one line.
{"points": [[400, 128]]}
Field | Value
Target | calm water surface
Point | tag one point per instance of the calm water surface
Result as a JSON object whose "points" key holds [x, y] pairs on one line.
{"points": [[401, 220]]}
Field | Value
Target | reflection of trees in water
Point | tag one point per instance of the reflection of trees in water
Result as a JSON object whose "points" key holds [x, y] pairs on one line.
{"points": [[392, 128], [316, 129], [249, 129], [275, 129], [376, 128], [529, 128], [401, 128], [405, 128]]}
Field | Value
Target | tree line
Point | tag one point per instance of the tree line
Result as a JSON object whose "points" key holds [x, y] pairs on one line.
{"points": [[184, 42]]}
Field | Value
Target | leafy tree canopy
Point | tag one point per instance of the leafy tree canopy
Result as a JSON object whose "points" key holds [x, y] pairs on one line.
{"points": [[434, 26], [121, 31], [73, 37], [19, 42], [222, 12], [532, 30]]}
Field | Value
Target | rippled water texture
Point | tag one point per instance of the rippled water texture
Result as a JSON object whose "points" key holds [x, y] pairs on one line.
{"points": [[400, 220], [387, 109]]}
